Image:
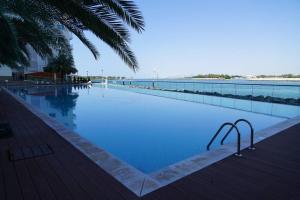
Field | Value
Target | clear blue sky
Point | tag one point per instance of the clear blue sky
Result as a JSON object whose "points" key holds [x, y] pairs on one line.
{"points": [[206, 36]]}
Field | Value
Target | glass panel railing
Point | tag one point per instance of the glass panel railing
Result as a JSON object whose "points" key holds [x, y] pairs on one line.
{"points": [[282, 94], [273, 109], [286, 92]]}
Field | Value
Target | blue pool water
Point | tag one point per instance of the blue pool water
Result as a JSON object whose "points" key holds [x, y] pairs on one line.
{"points": [[146, 131]]}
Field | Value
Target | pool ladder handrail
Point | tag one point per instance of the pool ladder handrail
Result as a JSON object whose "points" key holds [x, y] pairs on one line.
{"points": [[233, 126], [251, 132]]}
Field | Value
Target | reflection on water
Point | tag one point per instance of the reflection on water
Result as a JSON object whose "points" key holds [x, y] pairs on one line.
{"points": [[66, 102], [57, 101]]}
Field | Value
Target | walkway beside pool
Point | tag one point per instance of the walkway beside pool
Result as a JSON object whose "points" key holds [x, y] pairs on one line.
{"points": [[270, 172]]}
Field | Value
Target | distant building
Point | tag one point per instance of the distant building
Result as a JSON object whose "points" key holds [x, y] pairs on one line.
{"points": [[250, 76], [37, 64]]}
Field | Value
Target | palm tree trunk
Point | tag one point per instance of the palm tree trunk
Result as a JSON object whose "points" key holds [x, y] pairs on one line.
{"points": [[62, 77]]}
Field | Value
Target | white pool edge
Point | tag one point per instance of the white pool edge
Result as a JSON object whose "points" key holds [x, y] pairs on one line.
{"points": [[136, 181]]}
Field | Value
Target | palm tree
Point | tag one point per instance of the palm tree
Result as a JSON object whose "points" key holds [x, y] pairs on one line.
{"points": [[107, 19], [62, 64], [21, 27]]}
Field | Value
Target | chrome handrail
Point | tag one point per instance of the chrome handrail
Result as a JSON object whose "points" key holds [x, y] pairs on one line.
{"points": [[251, 135], [238, 137]]}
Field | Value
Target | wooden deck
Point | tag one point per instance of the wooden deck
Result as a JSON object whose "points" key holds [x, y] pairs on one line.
{"points": [[270, 172]]}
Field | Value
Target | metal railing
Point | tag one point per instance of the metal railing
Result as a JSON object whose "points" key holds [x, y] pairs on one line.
{"points": [[251, 132], [233, 126]]}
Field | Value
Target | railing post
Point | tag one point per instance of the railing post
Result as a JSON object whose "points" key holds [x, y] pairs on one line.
{"points": [[238, 153], [235, 92], [252, 139]]}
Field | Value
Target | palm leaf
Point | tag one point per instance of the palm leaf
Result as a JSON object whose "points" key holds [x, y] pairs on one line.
{"points": [[34, 22], [125, 9]]}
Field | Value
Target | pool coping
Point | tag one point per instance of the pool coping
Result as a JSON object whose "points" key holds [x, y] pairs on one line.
{"points": [[135, 180]]}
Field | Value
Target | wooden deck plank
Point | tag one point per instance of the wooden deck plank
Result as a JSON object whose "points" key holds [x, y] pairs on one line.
{"points": [[2, 186], [59, 189], [40, 182], [69, 180], [53, 176], [36, 176], [196, 190], [75, 189], [11, 182], [29, 191], [86, 182], [55, 184]]}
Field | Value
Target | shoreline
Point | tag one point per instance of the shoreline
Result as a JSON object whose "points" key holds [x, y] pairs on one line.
{"points": [[273, 79], [253, 79]]}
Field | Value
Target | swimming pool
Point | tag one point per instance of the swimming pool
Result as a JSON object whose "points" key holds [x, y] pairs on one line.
{"points": [[148, 132]]}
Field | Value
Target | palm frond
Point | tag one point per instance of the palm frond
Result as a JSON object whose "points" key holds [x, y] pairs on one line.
{"points": [[111, 20], [125, 9], [99, 28], [34, 22], [80, 35], [10, 53]]}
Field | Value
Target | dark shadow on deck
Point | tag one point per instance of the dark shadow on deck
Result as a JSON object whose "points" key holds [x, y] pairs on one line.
{"points": [[270, 172]]}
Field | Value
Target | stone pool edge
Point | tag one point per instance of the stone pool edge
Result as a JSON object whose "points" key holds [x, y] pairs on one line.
{"points": [[136, 181]]}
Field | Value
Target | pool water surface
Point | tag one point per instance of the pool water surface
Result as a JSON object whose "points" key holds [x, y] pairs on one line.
{"points": [[145, 131]]}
